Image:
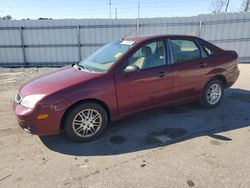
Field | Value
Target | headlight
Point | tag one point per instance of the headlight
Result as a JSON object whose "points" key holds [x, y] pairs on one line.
{"points": [[31, 100]]}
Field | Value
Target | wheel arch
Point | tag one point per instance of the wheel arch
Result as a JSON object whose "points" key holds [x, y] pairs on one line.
{"points": [[101, 103], [216, 77], [220, 78]]}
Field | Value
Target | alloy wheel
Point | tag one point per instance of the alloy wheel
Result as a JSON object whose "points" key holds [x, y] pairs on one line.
{"points": [[214, 93], [87, 122]]}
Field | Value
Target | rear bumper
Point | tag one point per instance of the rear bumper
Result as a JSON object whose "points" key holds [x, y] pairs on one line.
{"points": [[27, 119], [232, 77]]}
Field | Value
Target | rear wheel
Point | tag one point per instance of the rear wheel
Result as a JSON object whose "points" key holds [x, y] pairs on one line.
{"points": [[86, 122], [212, 94]]}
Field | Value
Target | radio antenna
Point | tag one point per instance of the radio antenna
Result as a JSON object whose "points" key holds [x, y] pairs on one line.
{"points": [[134, 30]]}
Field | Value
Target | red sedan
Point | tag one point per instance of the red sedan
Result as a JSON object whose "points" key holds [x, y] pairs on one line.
{"points": [[122, 78]]}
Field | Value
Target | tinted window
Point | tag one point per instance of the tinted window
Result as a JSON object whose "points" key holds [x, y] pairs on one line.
{"points": [[150, 55], [184, 50]]}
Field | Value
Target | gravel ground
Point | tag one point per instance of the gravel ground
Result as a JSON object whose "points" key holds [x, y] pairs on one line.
{"points": [[185, 146]]}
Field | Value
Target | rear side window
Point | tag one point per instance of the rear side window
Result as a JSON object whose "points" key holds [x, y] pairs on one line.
{"points": [[184, 50], [209, 51]]}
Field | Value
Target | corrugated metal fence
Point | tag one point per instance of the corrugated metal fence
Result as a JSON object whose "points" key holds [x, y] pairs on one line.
{"points": [[60, 42]]}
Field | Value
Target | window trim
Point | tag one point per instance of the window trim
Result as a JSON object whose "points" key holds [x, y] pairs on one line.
{"points": [[202, 50], [188, 39]]}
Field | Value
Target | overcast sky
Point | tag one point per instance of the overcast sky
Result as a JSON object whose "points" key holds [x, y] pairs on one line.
{"points": [[58, 9]]}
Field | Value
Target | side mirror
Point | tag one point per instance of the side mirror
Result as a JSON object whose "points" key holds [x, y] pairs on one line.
{"points": [[131, 68]]}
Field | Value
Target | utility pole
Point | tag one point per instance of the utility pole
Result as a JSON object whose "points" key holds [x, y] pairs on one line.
{"points": [[115, 13], [227, 5], [110, 9], [138, 20]]}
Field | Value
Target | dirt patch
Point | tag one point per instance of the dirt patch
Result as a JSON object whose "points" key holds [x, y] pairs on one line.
{"points": [[14, 78], [9, 131], [190, 183], [215, 142], [165, 136]]}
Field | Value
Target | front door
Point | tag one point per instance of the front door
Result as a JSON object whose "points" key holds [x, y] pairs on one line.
{"points": [[149, 87]]}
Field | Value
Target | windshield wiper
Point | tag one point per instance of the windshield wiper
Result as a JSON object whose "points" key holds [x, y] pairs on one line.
{"points": [[83, 67]]}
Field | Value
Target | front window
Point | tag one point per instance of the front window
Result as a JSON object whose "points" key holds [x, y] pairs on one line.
{"points": [[149, 56], [105, 57]]}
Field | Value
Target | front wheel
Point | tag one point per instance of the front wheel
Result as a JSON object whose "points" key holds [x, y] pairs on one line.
{"points": [[212, 94], [86, 122]]}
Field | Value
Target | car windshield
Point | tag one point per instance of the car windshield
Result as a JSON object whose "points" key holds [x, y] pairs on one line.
{"points": [[105, 57]]}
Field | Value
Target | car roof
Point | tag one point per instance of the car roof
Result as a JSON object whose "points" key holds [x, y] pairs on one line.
{"points": [[142, 38]]}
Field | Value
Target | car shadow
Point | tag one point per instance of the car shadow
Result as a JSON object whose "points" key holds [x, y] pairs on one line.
{"points": [[163, 126]]}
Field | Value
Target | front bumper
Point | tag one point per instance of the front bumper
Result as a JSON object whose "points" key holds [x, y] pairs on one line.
{"points": [[27, 119]]}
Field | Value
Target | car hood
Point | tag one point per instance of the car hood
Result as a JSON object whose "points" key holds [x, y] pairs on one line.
{"points": [[56, 81]]}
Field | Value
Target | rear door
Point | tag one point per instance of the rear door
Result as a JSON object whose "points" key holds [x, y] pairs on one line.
{"points": [[189, 68], [151, 86]]}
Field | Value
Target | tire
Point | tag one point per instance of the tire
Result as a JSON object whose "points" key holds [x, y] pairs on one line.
{"points": [[85, 122], [212, 94]]}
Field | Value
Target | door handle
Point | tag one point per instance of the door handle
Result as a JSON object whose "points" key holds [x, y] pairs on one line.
{"points": [[203, 64], [161, 74]]}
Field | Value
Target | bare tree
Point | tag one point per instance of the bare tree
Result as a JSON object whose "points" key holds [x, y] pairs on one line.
{"points": [[246, 5], [228, 1], [217, 6], [7, 17]]}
